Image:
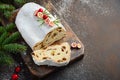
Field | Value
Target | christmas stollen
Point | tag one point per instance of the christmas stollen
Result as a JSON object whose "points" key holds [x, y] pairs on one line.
{"points": [[42, 37], [35, 34]]}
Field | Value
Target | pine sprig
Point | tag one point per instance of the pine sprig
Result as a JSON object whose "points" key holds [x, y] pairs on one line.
{"points": [[5, 58], [20, 1], [7, 45], [6, 1], [3, 37], [13, 37], [7, 36], [9, 27], [7, 14], [14, 48], [4, 7], [2, 29]]}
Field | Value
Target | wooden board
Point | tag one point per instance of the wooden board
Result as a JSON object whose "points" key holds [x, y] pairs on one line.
{"points": [[42, 71]]}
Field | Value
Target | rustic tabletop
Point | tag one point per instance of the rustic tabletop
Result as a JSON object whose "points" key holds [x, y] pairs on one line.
{"points": [[97, 24]]}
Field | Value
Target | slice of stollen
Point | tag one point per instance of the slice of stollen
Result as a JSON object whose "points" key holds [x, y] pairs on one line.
{"points": [[54, 55]]}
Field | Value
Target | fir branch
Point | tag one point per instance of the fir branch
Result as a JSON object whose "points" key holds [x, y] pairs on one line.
{"points": [[6, 38], [7, 14], [6, 1], [4, 7], [2, 29], [3, 37], [0, 20], [11, 38], [20, 1], [10, 27], [14, 48], [5, 58]]}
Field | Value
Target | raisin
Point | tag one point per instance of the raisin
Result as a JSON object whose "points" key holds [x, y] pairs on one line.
{"points": [[63, 47], [59, 61], [64, 59], [59, 30], [33, 53], [58, 53], [53, 53], [66, 52], [37, 56], [44, 57], [54, 35]]}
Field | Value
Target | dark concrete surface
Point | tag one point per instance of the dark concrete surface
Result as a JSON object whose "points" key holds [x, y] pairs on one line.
{"points": [[97, 24]]}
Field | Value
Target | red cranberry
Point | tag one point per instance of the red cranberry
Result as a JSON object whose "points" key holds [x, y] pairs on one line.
{"points": [[15, 77], [73, 44], [40, 10], [45, 16], [17, 69]]}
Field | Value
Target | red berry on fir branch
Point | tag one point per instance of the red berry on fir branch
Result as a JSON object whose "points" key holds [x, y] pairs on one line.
{"points": [[45, 16], [15, 77], [17, 69], [40, 10]]}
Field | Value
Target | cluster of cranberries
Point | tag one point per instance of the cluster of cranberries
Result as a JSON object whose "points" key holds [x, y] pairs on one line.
{"points": [[75, 45], [40, 14], [15, 74]]}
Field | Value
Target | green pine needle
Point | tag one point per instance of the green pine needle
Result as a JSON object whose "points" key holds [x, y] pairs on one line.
{"points": [[3, 37], [2, 29], [7, 14], [10, 27], [4, 7], [14, 48], [13, 37], [20, 1], [6, 1], [7, 34], [5, 59]]}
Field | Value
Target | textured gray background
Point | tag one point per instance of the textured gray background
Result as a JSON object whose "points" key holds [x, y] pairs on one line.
{"points": [[97, 24]]}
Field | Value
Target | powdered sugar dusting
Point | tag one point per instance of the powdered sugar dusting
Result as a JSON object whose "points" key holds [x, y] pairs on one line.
{"points": [[98, 7], [65, 4]]}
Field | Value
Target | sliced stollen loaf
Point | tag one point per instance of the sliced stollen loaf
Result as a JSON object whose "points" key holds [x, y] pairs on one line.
{"points": [[36, 35], [54, 55]]}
